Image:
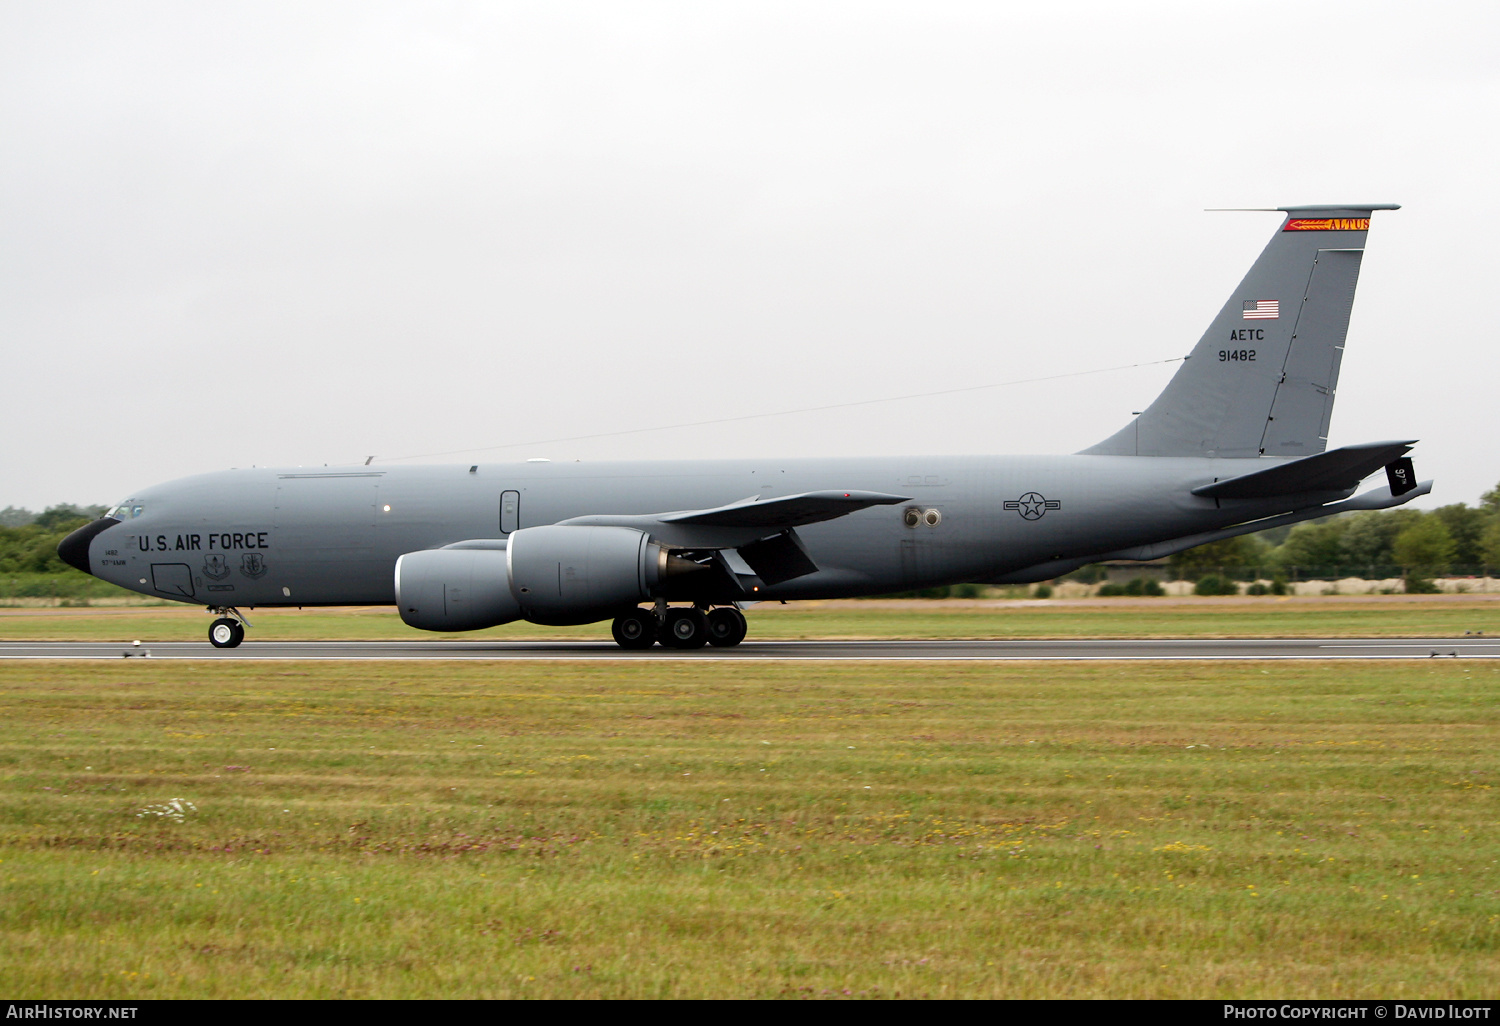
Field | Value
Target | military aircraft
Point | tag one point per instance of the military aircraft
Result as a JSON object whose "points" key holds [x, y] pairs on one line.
{"points": [[671, 552]]}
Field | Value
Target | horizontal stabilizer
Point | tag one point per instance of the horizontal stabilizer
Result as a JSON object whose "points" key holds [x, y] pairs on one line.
{"points": [[1375, 498], [784, 511], [1338, 470]]}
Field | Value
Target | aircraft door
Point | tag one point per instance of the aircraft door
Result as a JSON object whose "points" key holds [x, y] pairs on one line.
{"points": [[510, 512], [175, 579], [916, 561]]}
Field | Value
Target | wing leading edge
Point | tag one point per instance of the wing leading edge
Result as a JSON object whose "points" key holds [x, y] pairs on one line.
{"points": [[784, 511], [742, 522]]}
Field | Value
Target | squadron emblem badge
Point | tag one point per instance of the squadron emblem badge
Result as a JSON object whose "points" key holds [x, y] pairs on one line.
{"points": [[253, 565], [214, 567]]}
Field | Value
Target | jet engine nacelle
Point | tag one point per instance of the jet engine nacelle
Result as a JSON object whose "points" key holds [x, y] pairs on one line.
{"points": [[558, 575], [455, 589], [564, 575]]}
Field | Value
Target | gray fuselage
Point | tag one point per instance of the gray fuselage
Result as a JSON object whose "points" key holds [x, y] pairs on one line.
{"points": [[321, 536]]}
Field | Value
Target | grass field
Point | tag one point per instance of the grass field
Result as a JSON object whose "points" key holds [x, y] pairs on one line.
{"points": [[668, 829], [1347, 616]]}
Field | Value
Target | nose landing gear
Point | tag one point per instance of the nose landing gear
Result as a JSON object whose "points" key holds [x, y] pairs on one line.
{"points": [[226, 631]]}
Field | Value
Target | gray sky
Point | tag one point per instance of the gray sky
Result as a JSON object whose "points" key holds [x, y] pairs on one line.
{"points": [[301, 233]]}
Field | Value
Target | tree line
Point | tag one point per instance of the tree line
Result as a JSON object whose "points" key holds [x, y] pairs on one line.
{"points": [[28, 541]]}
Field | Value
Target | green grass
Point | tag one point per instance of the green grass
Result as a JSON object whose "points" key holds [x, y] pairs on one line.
{"points": [[669, 829], [1382, 616]]}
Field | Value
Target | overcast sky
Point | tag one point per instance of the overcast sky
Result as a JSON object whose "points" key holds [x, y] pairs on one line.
{"points": [[307, 233]]}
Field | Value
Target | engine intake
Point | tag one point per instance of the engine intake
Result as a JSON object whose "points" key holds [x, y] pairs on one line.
{"points": [[557, 575]]}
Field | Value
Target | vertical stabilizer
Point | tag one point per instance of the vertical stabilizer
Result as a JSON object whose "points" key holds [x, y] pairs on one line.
{"points": [[1261, 380]]}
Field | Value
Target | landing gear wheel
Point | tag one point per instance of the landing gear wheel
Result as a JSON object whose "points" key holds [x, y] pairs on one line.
{"points": [[226, 633], [726, 627], [684, 628], [635, 629]]}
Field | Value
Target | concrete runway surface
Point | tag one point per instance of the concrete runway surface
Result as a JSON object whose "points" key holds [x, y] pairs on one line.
{"points": [[1079, 649]]}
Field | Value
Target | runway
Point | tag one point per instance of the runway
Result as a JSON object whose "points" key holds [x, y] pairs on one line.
{"points": [[1068, 649]]}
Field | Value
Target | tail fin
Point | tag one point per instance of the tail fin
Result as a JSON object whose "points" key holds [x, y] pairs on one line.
{"points": [[1261, 380]]}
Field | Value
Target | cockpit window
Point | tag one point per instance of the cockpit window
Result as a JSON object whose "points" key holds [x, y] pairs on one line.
{"points": [[125, 511]]}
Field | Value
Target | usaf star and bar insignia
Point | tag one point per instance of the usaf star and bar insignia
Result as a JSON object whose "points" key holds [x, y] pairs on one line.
{"points": [[1032, 505]]}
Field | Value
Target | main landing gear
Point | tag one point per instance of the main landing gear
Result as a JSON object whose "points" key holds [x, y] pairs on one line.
{"points": [[726, 627], [681, 627], [226, 631], [635, 629]]}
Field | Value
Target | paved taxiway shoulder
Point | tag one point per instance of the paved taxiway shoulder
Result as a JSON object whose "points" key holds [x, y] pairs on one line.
{"points": [[1180, 648]]}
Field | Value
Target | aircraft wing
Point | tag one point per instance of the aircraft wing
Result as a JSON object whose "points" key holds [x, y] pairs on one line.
{"points": [[748, 524], [783, 511], [1337, 470]]}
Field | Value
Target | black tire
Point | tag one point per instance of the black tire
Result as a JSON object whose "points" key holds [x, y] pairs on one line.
{"points": [[684, 628], [726, 627], [226, 633], [635, 629]]}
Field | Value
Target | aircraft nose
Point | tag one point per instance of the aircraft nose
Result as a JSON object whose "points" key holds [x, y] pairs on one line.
{"points": [[74, 549]]}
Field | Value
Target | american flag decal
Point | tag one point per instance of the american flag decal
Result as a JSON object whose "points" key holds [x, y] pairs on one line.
{"points": [[1261, 309]]}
